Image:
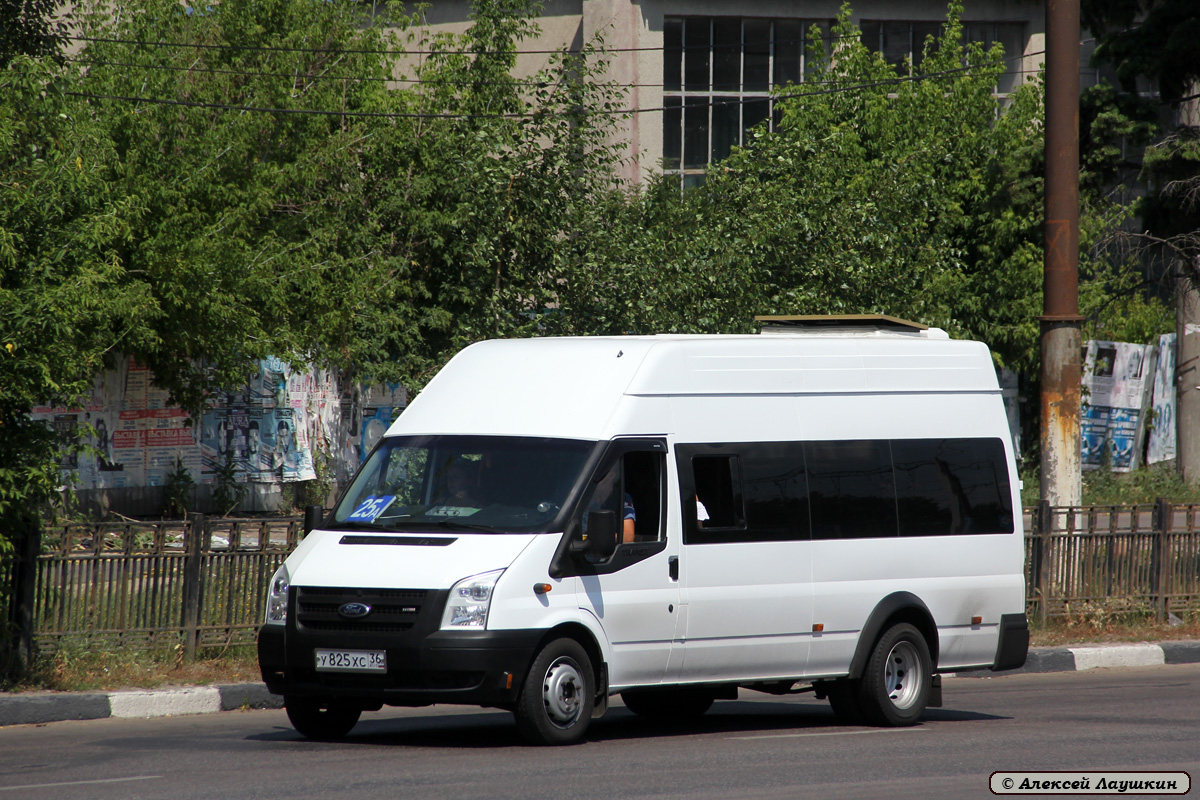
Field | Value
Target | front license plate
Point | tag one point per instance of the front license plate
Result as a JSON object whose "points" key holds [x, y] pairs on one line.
{"points": [[352, 660]]}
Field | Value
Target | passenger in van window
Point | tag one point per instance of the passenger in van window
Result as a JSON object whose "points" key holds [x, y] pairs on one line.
{"points": [[604, 499], [701, 513]]}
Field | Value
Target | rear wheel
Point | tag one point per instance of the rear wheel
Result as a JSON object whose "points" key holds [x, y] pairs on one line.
{"points": [[896, 682], [556, 700], [320, 720], [682, 702]]}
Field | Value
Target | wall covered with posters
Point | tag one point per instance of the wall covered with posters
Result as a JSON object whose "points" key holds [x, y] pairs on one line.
{"points": [[275, 430]]}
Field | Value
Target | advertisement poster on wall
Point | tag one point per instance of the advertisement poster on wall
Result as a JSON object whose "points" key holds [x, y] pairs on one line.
{"points": [[1116, 386], [1161, 443], [267, 430]]}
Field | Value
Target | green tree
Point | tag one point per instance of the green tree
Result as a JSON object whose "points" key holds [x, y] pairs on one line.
{"points": [[1159, 41], [305, 202], [62, 302], [31, 28], [202, 187], [916, 195]]}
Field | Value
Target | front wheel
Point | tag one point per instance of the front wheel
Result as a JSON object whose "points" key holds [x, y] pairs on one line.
{"points": [[897, 679], [556, 699], [321, 721]]}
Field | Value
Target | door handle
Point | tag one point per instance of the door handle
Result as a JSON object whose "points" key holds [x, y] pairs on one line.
{"points": [[673, 567]]}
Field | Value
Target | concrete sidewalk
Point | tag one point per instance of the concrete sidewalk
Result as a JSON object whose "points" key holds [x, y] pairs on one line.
{"points": [[36, 708]]}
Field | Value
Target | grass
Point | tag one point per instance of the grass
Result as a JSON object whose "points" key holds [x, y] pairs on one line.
{"points": [[1103, 487], [1101, 623], [1145, 485], [75, 669]]}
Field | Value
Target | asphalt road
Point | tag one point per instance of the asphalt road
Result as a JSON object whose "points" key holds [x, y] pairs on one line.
{"points": [[758, 748]]}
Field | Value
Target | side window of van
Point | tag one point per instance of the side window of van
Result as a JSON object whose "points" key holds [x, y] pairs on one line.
{"points": [[744, 492], [952, 487], [852, 491], [643, 486], [718, 482], [631, 487], [843, 489]]}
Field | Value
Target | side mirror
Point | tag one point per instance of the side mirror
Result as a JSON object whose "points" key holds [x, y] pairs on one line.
{"points": [[601, 534], [313, 515]]}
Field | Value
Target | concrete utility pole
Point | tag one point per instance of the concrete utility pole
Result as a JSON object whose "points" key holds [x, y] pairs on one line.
{"points": [[1187, 339], [1061, 329], [1187, 389]]}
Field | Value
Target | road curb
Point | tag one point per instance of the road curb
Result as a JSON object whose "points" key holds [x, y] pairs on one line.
{"points": [[39, 708], [1084, 657]]}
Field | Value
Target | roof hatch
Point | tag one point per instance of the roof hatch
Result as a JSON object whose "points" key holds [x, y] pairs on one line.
{"points": [[844, 324]]}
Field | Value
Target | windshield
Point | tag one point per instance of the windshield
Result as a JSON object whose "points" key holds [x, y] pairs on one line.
{"points": [[487, 483]]}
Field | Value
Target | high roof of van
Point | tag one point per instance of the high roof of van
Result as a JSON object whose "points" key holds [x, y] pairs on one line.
{"points": [[574, 386]]}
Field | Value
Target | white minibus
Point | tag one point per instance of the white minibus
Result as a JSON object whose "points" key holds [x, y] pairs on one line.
{"points": [[556, 521]]}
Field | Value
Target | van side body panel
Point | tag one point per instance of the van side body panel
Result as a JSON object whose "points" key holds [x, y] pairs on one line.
{"points": [[956, 577]]}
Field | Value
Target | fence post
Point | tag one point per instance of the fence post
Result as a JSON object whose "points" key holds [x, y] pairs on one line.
{"points": [[1045, 523], [193, 555], [1159, 563], [24, 587]]}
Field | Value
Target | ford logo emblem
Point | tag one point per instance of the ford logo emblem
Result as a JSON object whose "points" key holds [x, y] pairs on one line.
{"points": [[354, 610]]}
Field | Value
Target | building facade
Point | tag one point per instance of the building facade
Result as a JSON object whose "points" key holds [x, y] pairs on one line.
{"points": [[700, 73]]}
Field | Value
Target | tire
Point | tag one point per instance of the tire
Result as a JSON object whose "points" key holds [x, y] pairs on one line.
{"points": [[682, 702], [323, 721], [557, 696], [897, 678]]}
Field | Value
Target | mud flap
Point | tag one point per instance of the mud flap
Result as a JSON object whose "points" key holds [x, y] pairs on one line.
{"points": [[935, 693], [601, 703]]}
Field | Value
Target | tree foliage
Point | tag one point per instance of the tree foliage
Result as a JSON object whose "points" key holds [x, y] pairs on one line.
{"points": [[368, 224], [63, 304], [1157, 43], [908, 191], [202, 186], [31, 28]]}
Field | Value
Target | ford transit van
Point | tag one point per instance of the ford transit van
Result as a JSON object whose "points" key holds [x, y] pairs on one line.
{"points": [[557, 521]]}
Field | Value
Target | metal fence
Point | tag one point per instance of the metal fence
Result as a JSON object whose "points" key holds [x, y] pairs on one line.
{"points": [[198, 583], [202, 582], [1136, 560]]}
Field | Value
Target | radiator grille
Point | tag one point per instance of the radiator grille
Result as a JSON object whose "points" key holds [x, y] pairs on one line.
{"points": [[392, 610]]}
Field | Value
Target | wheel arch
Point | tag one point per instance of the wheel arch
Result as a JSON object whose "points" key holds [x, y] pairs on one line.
{"points": [[587, 640], [895, 608]]}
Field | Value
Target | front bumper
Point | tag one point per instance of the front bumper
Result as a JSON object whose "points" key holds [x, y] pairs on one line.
{"points": [[465, 667]]}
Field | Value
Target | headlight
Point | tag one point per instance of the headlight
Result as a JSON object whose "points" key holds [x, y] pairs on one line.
{"points": [[470, 598], [277, 597]]}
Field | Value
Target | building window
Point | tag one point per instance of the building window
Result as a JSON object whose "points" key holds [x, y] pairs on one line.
{"points": [[902, 42], [718, 73]]}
